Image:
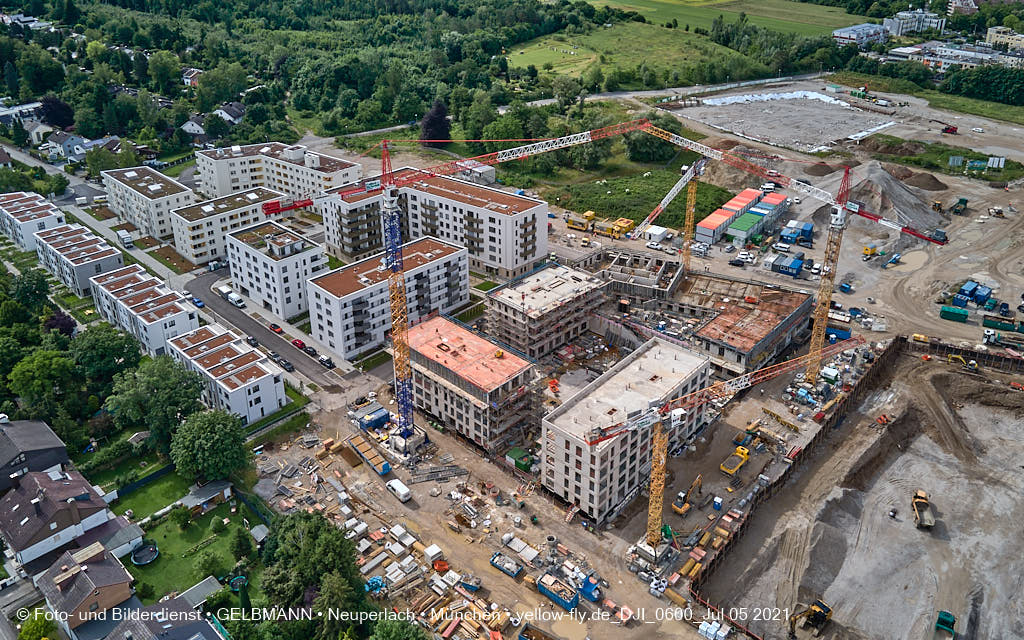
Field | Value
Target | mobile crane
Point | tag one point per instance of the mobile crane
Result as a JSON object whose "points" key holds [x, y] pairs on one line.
{"points": [[946, 127]]}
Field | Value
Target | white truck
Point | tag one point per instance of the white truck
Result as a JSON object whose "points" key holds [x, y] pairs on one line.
{"points": [[236, 300], [125, 238], [224, 291]]}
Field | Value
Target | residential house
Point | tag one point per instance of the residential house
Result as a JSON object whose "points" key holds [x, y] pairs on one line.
{"points": [[966, 7], [145, 197], [173, 619], [190, 76], [73, 254], [36, 131], [62, 144], [28, 445], [195, 127], [25, 111], [1005, 36], [110, 143], [293, 169], [860, 35], [82, 586], [906, 22], [231, 112], [22, 214]]}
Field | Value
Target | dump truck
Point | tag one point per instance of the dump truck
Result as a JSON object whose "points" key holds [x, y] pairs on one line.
{"points": [[923, 517], [734, 462], [959, 207]]}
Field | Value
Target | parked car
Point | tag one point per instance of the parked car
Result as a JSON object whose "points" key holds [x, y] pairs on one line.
{"points": [[654, 245], [253, 341], [274, 356], [978, 130], [287, 366], [327, 362], [736, 262], [309, 351], [298, 344], [276, 328], [199, 303], [730, 248]]}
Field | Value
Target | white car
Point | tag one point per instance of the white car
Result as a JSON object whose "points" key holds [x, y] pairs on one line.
{"points": [[796, 200], [654, 245], [978, 130]]}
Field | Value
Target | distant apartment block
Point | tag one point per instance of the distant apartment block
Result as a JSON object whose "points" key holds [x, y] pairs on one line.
{"points": [[1004, 36], [271, 264], [73, 254], [200, 229], [238, 377], [601, 479], [350, 309], [291, 169], [22, 214], [915, 21], [544, 309], [505, 233], [473, 385], [143, 306], [145, 197], [860, 35]]}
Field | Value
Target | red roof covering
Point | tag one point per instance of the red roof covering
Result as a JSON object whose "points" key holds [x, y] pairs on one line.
{"points": [[716, 219], [774, 198], [750, 194]]}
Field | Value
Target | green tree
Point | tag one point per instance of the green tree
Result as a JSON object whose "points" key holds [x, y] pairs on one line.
{"points": [[157, 396], [209, 445], [335, 594], [506, 127], [31, 289], [103, 352], [594, 79], [140, 68], [11, 78], [40, 376], [96, 51], [164, 71], [566, 90], [19, 135], [38, 627], [241, 544], [220, 84], [397, 630], [208, 563], [127, 157], [435, 124], [478, 115], [215, 126], [13, 312], [643, 147], [180, 516], [98, 160]]}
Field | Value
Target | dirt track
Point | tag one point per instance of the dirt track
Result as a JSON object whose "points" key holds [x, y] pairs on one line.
{"points": [[829, 535]]}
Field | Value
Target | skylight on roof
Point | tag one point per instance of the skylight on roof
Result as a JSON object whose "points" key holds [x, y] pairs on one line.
{"points": [[207, 208], [252, 196], [131, 174]]}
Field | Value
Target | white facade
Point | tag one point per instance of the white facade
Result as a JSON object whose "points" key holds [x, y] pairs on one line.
{"points": [[22, 214], [504, 233], [238, 378], [74, 254], [200, 229], [601, 479], [145, 197], [271, 264], [292, 169], [143, 306], [860, 35], [62, 537], [906, 22], [350, 309]]}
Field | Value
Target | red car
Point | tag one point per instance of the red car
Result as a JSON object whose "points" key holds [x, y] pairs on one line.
{"points": [[276, 328], [298, 344]]}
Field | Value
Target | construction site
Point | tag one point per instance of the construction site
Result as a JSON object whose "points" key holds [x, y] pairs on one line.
{"points": [[650, 445]]}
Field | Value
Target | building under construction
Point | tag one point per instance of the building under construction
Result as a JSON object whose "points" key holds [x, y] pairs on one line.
{"points": [[544, 309], [471, 384], [603, 478]]}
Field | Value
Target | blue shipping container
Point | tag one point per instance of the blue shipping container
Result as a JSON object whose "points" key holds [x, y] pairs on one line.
{"points": [[789, 237], [792, 268], [758, 211], [982, 294], [840, 334], [960, 300], [968, 288], [375, 420], [807, 230]]}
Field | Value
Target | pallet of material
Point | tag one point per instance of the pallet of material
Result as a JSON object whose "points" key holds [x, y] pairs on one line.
{"points": [[370, 454], [347, 454]]}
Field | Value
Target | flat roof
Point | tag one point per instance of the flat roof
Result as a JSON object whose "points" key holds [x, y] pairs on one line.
{"points": [[26, 206], [468, 193], [468, 355], [738, 323], [541, 291], [76, 243], [274, 240], [648, 374], [369, 271], [147, 181], [279, 151], [122, 282], [220, 353], [228, 203]]}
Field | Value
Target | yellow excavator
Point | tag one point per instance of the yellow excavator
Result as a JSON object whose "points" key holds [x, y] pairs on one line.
{"points": [[971, 365], [817, 616], [681, 504]]}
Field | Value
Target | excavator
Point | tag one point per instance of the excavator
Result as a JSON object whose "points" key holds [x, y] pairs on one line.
{"points": [[923, 517], [971, 365], [946, 127], [681, 504], [816, 616]]}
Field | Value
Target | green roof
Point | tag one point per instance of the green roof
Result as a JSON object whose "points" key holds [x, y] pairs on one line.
{"points": [[746, 222], [517, 453]]}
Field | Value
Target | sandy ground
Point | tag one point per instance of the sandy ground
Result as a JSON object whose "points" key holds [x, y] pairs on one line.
{"points": [[830, 535]]}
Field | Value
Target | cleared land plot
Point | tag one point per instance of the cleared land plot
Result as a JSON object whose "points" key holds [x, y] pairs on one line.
{"points": [[781, 15], [174, 260], [624, 46]]}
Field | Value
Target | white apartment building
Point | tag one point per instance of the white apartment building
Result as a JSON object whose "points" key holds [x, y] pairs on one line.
{"points": [[200, 229], [350, 309], [271, 264], [238, 378], [73, 254], [505, 233], [143, 306], [22, 214], [915, 21], [601, 479], [475, 386], [291, 169], [860, 35], [145, 197]]}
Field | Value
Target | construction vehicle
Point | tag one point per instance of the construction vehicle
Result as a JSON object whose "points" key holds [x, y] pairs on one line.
{"points": [[960, 207], [923, 517], [816, 616], [970, 365], [946, 127], [575, 222], [681, 504], [946, 622], [735, 461], [870, 249], [996, 212], [937, 206], [895, 259]]}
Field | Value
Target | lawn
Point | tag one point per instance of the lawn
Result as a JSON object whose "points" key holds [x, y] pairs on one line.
{"points": [[153, 497], [936, 99], [125, 226], [626, 45], [176, 170], [297, 402], [780, 15], [373, 361], [22, 260], [334, 263], [174, 570], [147, 242], [100, 212], [935, 157], [137, 466], [486, 285], [283, 431]]}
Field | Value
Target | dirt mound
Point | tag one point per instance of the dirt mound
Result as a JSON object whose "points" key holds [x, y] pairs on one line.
{"points": [[969, 389], [725, 144], [850, 162], [890, 198], [898, 171], [926, 181], [819, 169], [905, 148]]}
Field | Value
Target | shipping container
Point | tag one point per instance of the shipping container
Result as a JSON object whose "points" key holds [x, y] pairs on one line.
{"points": [[836, 334], [374, 420], [370, 455], [759, 211], [960, 300], [953, 313], [793, 268], [996, 322], [981, 295], [968, 288], [505, 564], [559, 591]]}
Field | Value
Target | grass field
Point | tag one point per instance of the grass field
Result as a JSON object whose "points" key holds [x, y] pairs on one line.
{"points": [[936, 99], [624, 46], [781, 15], [935, 157], [153, 497]]}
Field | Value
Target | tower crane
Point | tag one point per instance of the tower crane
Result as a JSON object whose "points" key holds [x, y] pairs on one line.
{"points": [[695, 170]]}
